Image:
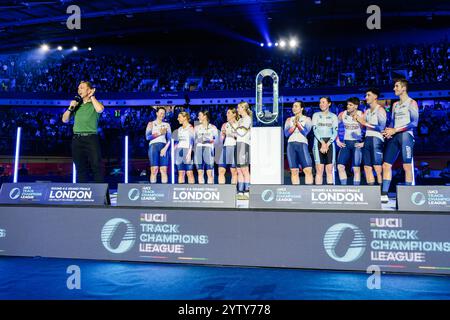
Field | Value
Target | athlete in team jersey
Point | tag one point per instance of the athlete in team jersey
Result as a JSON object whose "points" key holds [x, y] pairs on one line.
{"points": [[400, 136], [184, 138], [228, 152], [296, 128], [325, 128], [242, 134], [206, 135], [350, 148], [374, 120], [159, 134]]}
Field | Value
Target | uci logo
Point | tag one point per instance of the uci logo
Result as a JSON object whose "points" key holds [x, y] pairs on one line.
{"points": [[14, 193], [418, 198], [133, 194], [334, 235], [110, 229], [267, 195]]}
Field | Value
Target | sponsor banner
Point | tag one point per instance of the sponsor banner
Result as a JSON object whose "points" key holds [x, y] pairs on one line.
{"points": [[417, 243], [95, 194], [176, 195], [423, 198], [315, 197]]}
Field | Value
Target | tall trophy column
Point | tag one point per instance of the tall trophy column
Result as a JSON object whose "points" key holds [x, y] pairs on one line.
{"points": [[266, 152]]}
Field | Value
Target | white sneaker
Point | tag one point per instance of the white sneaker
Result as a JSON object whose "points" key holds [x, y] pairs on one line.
{"points": [[240, 196], [384, 198], [246, 195]]}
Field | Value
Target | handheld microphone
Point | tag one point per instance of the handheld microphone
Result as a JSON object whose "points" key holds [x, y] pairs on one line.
{"points": [[78, 100]]}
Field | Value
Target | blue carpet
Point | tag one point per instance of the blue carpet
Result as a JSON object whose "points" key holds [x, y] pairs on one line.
{"points": [[40, 278]]}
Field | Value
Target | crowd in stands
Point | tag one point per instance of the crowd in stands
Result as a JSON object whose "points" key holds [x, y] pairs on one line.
{"points": [[370, 66], [43, 132]]}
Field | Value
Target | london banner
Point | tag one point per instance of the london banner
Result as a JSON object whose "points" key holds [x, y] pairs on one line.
{"points": [[315, 197], [92, 194], [179, 195]]}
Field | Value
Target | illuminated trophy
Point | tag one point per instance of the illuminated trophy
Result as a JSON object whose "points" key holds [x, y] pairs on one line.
{"points": [[266, 157]]}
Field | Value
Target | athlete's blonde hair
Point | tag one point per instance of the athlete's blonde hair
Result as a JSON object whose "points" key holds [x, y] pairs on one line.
{"points": [[186, 115], [246, 107]]}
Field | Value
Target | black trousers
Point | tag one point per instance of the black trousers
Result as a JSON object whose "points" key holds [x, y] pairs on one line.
{"points": [[85, 153]]}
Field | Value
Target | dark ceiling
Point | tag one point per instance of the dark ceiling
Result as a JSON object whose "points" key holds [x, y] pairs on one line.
{"points": [[28, 23]]}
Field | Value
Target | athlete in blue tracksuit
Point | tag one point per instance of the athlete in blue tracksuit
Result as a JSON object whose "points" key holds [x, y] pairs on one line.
{"points": [[400, 136], [205, 136], [184, 138], [228, 152], [350, 148], [374, 120], [243, 138], [325, 128], [159, 134], [296, 129]]}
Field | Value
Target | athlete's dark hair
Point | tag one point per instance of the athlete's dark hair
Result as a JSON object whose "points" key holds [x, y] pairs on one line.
{"points": [[300, 103], [326, 98], [160, 108], [403, 82], [207, 114], [375, 91], [353, 100], [234, 111]]}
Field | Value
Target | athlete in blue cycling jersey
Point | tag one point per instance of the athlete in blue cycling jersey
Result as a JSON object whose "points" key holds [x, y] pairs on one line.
{"points": [[159, 134], [206, 135], [400, 137], [243, 137], [184, 137], [296, 130], [350, 148], [374, 120], [228, 152], [325, 128]]}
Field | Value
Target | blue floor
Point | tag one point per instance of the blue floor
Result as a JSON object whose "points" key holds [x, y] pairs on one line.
{"points": [[40, 278]]}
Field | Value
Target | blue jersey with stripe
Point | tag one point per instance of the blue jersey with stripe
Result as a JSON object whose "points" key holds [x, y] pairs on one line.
{"points": [[405, 116]]}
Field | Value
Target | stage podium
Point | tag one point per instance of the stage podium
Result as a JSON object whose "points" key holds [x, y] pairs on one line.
{"points": [[266, 152]]}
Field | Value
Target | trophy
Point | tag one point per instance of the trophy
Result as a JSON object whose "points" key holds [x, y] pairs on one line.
{"points": [[266, 151]]}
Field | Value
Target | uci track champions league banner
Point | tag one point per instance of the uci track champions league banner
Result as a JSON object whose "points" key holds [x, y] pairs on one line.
{"points": [[423, 198], [179, 195], [315, 197], [410, 243], [55, 193]]}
